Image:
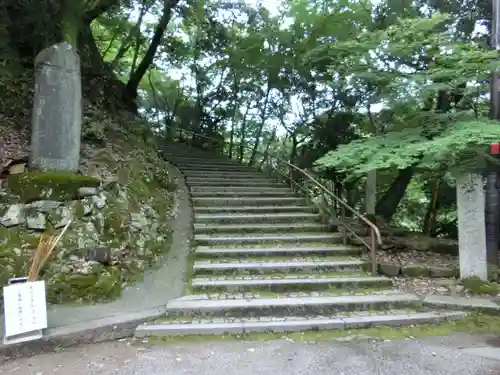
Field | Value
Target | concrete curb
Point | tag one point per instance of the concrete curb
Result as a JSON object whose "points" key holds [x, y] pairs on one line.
{"points": [[76, 325], [88, 332], [461, 303]]}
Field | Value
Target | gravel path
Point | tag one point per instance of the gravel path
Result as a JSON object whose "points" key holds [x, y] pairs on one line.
{"points": [[427, 357]]}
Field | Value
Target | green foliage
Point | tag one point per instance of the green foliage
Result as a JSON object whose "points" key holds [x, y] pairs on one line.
{"points": [[459, 147], [353, 85]]}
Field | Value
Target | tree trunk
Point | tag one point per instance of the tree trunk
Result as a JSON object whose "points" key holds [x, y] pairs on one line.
{"points": [[261, 127], [266, 153], [71, 21], [233, 115], [231, 140], [429, 228], [243, 136], [137, 32], [371, 193], [387, 206], [136, 77], [100, 82]]}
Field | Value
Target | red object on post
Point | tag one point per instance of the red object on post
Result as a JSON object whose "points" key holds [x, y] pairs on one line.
{"points": [[495, 148]]}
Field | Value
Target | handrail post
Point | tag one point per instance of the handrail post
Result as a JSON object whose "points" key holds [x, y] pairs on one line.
{"points": [[373, 252]]}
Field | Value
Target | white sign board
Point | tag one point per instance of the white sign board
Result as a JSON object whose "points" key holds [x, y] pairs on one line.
{"points": [[25, 310]]}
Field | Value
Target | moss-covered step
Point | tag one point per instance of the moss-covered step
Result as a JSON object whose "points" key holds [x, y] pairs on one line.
{"points": [[231, 326], [241, 218], [295, 227], [286, 282], [59, 186], [268, 192], [222, 173], [216, 182], [200, 161], [245, 201], [290, 239], [253, 209], [287, 250], [238, 189], [284, 266], [291, 306], [211, 166], [231, 181]]}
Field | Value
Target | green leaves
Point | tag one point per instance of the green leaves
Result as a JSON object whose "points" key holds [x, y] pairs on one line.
{"points": [[459, 147]]}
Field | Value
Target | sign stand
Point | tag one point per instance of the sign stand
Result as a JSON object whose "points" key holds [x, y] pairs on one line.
{"points": [[25, 310]]}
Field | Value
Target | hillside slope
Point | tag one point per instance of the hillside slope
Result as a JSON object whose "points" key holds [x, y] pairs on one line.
{"points": [[120, 205]]}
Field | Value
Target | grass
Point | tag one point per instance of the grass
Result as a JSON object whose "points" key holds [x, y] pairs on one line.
{"points": [[474, 323]]}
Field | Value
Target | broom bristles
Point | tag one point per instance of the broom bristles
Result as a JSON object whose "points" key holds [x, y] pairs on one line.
{"points": [[46, 245]]}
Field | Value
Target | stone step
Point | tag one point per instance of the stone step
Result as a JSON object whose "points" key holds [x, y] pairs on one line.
{"points": [[200, 158], [210, 166], [270, 192], [211, 240], [242, 189], [265, 210], [259, 228], [272, 324], [228, 218], [221, 173], [233, 182], [245, 201], [245, 252], [227, 177], [290, 306], [286, 283], [213, 167], [266, 266]]}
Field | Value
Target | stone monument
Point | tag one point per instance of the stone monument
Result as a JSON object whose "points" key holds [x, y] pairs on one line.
{"points": [[57, 110], [471, 226]]}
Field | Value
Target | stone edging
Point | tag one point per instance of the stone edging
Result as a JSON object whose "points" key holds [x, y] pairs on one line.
{"points": [[462, 303], [116, 325], [417, 270]]}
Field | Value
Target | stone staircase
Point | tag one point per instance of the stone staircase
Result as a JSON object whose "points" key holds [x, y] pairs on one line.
{"points": [[264, 263]]}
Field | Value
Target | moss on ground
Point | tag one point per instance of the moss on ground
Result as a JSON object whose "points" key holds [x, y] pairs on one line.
{"points": [[61, 186], [477, 286], [474, 323]]}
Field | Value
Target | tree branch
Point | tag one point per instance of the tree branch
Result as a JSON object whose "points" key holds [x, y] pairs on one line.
{"points": [[136, 76], [98, 8]]}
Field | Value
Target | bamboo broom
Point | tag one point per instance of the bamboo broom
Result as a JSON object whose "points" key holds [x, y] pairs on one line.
{"points": [[46, 245]]}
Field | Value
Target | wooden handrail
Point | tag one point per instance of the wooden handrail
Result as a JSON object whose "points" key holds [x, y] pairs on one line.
{"points": [[375, 231]]}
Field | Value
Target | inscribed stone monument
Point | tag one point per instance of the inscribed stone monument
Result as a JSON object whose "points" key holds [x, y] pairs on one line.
{"points": [[57, 110], [471, 226]]}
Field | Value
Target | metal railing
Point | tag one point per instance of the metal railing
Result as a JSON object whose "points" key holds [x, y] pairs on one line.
{"points": [[301, 181]]}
